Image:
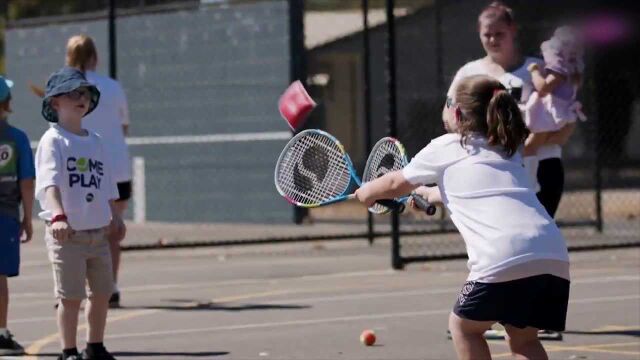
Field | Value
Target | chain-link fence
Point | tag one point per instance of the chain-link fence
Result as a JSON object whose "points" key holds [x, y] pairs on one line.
{"points": [[203, 80], [601, 200]]}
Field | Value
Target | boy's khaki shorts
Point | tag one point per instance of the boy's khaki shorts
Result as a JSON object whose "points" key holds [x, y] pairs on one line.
{"points": [[83, 259]]}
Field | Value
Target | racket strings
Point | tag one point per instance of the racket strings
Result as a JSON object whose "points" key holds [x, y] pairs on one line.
{"points": [[385, 157], [314, 170]]}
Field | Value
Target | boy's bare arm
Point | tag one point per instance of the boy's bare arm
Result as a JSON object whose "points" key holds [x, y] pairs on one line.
{"points": [[27, 187], [117, 226], [60, 230], [54, 200]]}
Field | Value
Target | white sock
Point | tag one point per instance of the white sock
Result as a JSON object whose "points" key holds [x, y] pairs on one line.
{"points": [[4, 332]]}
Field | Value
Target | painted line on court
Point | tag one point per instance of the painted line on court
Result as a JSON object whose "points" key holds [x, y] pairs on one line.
{"points": [[283, 324], [605, 279], [251, 281], [308, 321], [604, 299], [37, 345], [585, 348], [219, 283], [616, 328], [368, 295], [33, 319], [371, 295]]}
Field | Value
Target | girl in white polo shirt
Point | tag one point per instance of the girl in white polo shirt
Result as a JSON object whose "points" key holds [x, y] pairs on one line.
{"points": [[110, 120], [77, 194], [518, 261]]}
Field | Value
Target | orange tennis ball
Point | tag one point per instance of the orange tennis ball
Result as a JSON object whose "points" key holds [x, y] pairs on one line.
{"points": [[368, 337]]}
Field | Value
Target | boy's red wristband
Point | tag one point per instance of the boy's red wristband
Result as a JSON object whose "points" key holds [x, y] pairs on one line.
{"points": [[59, 217]]}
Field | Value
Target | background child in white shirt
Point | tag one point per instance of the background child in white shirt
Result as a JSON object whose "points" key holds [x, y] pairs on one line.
{"points": [[110, 120], [76, 192], [518, 260]]}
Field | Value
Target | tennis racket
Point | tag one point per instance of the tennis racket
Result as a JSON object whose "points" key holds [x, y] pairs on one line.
{"points": [[388, 155], [314, 170]]}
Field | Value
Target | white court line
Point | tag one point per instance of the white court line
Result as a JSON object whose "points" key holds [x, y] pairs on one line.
{"points": [[34, 319], [328, 320], [370, 295], [249, 281], [48, 275], [605, 279], [281, 324], [163, 287], [604, 299], [377, 295]]}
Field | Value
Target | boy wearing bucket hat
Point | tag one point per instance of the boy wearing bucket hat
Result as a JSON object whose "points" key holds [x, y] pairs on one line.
{"points": [[76, 191], [16, 186]]}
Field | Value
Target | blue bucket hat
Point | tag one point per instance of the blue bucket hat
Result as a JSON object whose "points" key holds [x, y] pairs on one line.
{"points": [[65, 81], [5, 88]]}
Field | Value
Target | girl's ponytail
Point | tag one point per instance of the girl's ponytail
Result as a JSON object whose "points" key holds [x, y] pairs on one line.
{"points": [[487, 108], [504, 122]]}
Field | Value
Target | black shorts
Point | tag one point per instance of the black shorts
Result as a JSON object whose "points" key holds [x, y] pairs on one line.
{"points": [[537, 301], [551, 180], [124, 191]]}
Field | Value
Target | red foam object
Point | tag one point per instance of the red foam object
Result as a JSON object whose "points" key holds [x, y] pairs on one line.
{"points": [[295, 104]]}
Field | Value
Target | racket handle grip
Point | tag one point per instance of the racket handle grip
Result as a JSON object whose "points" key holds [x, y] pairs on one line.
{"points": [[392, 204], [423, 204]]}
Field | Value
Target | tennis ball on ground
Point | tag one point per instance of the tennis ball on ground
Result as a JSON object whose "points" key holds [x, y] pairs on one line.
{"points": [[368, 337]]}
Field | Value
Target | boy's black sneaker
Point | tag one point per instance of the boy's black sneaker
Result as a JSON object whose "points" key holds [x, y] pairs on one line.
{"points": [[69, 357], [8, 346], [114, 300], [92, 353], [69, 354], [549, 335]]}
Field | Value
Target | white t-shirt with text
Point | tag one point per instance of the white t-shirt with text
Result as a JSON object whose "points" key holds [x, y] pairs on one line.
{"points": [[491, 203], [80, 168]]}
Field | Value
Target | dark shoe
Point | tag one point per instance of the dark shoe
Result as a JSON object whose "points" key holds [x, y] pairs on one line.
{"points": [[8, 346], [70, 357], [495, 334], [114, 301], [99, 354], [549, 335]]}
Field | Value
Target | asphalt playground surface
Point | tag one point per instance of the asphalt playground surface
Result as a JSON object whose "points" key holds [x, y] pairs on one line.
{"points": [[312, 301]]}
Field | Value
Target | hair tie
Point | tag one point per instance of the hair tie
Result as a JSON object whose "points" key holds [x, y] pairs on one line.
{"points": [[496, 91]]}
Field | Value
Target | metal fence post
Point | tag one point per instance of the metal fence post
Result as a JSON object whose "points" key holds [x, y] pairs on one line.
{"points": [[366, 76], [392, 128], [113, 55], [297, 69]]}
